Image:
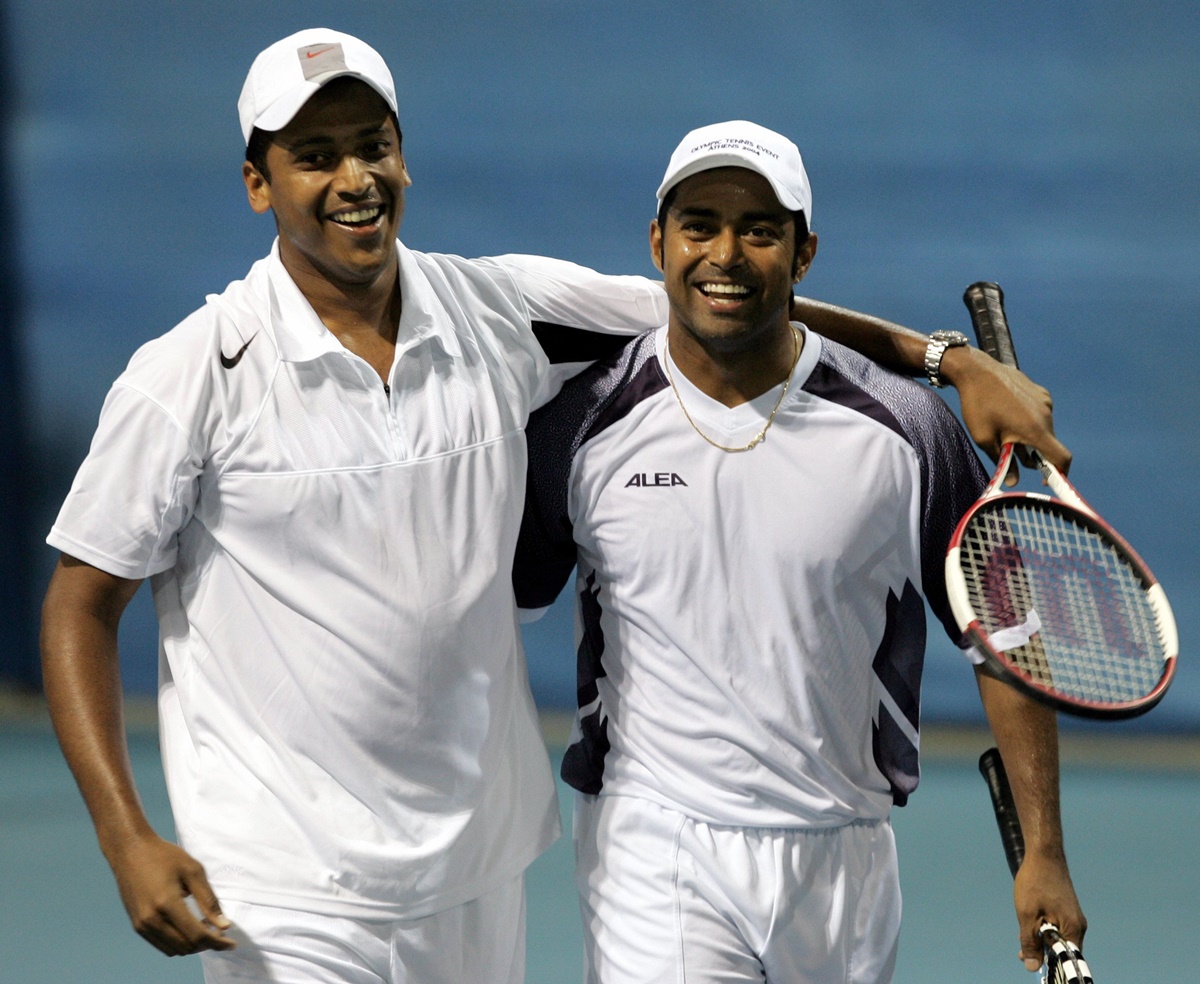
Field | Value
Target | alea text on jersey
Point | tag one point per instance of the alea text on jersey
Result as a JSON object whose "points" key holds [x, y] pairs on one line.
{"points": [[656, 480]]}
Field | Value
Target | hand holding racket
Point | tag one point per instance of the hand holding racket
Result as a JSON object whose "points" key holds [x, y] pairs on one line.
{"points": [[1053, 598], [1064, 963]]}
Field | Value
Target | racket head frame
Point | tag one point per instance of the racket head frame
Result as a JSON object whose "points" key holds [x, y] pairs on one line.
{"points": [[1071, 506], [1078, 513]]}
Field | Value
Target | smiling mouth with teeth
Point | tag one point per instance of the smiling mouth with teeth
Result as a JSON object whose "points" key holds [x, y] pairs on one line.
{"points": [[723, 290], [359, 217]]}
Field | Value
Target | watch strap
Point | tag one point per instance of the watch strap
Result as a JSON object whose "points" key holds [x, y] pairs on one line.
{"points": [[939, 341]]}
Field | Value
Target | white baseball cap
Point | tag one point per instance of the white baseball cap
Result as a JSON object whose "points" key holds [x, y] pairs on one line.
{"points": [[742, 144], [288, 73]]}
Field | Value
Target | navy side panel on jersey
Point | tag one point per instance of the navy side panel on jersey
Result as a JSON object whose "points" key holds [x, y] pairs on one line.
{"points": [[898, 666], [583, 761]]}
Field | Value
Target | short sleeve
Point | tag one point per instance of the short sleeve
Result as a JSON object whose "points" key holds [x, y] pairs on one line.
{"points": [[564, 293], [580, 316], [135, 490]]}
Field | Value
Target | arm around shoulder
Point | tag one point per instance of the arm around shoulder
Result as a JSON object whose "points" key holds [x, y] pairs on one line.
{"points": [[999, 404], [563, 293]]}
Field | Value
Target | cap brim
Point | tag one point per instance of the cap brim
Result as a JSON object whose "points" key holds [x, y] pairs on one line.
{"points": [[710, 161], [284, 109], [281, 112]]}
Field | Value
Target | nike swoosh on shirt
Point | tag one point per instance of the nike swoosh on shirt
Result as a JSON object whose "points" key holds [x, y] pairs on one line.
{"points": [[228, 362]]}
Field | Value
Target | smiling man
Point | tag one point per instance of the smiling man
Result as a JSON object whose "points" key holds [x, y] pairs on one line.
{"points": [[752, 631], [321, 472]]}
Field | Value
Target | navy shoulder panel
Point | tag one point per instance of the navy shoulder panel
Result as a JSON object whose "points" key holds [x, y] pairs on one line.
{"points": [[597, 398], [952, 477]]}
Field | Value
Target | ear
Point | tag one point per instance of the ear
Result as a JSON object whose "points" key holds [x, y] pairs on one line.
{"points": [[804, 258], [258, 189], [404, 172], [656, 244]]}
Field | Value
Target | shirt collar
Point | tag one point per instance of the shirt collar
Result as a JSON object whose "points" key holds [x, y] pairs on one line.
{"points": [[303, 337], [423, 316], [810, 355]]}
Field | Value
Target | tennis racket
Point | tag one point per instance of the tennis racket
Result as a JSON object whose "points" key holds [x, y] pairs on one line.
{"points": [[1064, 961], [1053, 598]]}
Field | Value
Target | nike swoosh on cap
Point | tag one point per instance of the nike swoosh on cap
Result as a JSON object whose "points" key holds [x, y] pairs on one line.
{"points": [[229, 362]]}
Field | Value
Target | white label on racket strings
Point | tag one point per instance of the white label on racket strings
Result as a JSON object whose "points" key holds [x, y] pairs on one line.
{"points": [[1166, 620], [1016, 636]]}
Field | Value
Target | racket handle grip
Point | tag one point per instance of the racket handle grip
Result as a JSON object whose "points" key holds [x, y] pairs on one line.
{"points": [[991, 767], [985, 302]]}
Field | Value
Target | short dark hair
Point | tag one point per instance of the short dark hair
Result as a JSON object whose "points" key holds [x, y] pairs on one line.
{"points": [[798, 219], [260, 140]]}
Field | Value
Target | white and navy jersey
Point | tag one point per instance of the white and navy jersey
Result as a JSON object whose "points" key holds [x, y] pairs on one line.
{"points": [[750, 626]]}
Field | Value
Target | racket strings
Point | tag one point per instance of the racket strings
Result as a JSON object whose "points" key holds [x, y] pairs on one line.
{"points": [[1063, 605]]}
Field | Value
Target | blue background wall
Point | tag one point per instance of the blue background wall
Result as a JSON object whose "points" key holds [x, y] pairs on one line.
{"points": [[1049, 146], [17, 658]]}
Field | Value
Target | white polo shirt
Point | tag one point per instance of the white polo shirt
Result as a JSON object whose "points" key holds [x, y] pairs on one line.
{"points": [[345, 716]]}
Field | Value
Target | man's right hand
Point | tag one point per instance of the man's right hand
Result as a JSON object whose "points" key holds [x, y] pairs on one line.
{"points": [[1001, 405], [155, 879]]}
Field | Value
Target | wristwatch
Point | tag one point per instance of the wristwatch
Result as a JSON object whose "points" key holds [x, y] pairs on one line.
{"points": [[939, 341]]}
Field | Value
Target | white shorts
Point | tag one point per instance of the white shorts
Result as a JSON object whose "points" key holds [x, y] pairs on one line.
{"points": [[482, 940], [668, 900]]}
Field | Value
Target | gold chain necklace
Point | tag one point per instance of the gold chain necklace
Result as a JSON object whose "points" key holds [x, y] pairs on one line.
{"points": [[761, 435]]}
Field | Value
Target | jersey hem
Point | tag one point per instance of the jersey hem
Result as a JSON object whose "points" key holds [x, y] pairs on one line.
{"points": [[329, 905], [777, 821]]}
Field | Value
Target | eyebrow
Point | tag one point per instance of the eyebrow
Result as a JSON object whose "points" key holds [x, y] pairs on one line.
{"points": [[324, 140], [698, 212]]}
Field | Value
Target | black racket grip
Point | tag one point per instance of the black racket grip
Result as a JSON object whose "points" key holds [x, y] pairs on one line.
{"points": [[985, 301], [991, 767]]}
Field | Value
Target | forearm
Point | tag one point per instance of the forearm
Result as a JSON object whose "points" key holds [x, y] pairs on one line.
{"points": [[83, 691], [892, 345], [898, 348], [1026, 734]]}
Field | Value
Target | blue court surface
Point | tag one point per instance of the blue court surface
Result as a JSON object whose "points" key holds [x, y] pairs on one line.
{"points": [[1129, 803]]}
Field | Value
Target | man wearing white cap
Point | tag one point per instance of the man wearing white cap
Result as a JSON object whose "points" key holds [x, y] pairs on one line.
{"points": [[321, 472], [755, 514]]}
